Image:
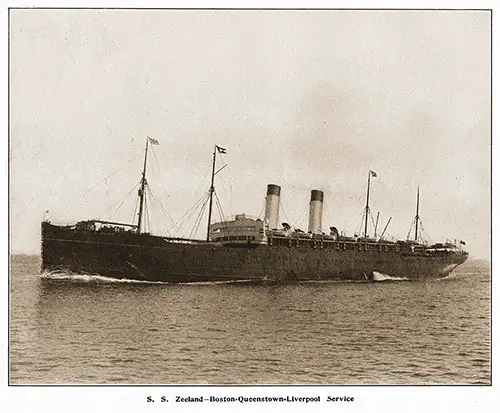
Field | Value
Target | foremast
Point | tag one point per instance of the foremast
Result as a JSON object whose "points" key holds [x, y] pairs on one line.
{"points": [[144, 182]]}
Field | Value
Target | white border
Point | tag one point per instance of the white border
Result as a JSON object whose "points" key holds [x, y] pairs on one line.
{"points": [[133, 399]]}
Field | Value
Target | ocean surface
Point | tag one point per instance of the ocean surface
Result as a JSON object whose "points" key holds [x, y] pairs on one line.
{"points": [[92, 330]]}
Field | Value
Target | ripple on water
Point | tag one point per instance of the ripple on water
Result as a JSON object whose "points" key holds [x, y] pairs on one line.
{"points": [[95, 331]]}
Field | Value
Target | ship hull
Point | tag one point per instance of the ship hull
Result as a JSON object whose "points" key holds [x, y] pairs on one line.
{"points": [[151, 258]]}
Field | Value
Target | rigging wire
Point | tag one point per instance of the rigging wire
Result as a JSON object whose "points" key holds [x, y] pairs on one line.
{"points": [[156, 171], [162, 209], [303, 216], [282, 203], [420, 235], [221, 212], [125, 198], [202, 183], [135, 210], [183, 220], [102, 181], [221, 215], [164, 215], [362, 221], [411, 227], [189, 213], [194, 230], [167, 221], [370, 215], [228, 178], [147, 223]]}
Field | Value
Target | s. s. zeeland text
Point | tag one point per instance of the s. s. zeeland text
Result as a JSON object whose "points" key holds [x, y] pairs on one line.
{"points": [[252, 399]]}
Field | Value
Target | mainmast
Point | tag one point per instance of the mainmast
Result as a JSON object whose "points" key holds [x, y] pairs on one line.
{"points": [[212, 188], [141, 192]]}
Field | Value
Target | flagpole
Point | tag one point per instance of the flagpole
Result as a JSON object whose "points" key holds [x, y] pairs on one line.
{"points": [[367, 208], [142, 193], [211, 196]]}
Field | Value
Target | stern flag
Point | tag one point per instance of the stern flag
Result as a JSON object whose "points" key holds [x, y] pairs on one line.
{"points": [[221, 150], [153, 141], [373, 174]]}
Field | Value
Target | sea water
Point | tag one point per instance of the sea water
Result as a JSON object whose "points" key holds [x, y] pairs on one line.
{"points": [[80, 329]]}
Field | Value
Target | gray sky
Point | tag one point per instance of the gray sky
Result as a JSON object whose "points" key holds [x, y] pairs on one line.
{"points": [[303, 99]]}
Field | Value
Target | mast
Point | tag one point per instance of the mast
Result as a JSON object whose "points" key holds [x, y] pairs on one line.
{"points": [[141, 191], [416, 216], [367, 208], [211, 195]]}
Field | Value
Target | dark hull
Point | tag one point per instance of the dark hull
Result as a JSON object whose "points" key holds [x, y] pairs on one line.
{"points": [[151, 258]]}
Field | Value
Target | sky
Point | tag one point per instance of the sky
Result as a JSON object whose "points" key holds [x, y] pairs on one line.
{"points": [[303, 99]]}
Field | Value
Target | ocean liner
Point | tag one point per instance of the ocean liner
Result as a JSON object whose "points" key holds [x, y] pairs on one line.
{"points": [[243, 248]]}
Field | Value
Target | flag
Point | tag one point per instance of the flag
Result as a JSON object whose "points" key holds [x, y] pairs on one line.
{"points": [[153, 141], [221, 150], [373, 174], [461, 242]]}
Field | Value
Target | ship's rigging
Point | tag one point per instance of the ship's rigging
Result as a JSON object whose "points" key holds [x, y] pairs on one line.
{"points": [[197, 209], [417, 224], [367, 213], [217, 149], [188, 225]]}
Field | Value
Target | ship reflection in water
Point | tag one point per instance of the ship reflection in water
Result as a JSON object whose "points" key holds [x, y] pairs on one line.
{"points": [[93, 330]]}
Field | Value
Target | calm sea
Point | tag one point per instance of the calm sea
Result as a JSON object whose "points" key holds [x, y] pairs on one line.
{"points": [[90, 330]]}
